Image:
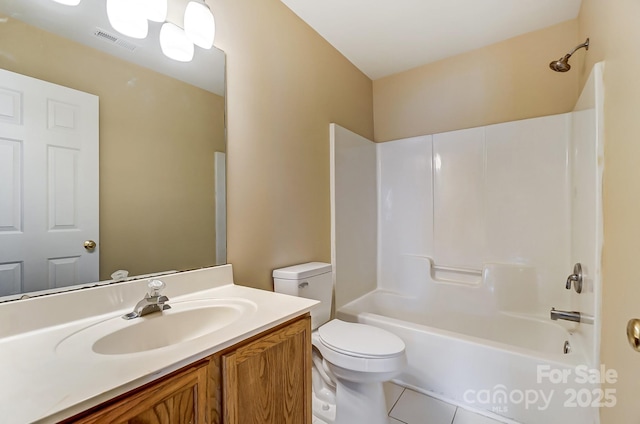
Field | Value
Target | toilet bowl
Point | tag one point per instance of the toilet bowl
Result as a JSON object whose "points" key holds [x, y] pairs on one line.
{"points": [[360, 358], [350, 360]]}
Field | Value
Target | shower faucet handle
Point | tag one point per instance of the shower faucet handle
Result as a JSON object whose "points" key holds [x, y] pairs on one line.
{"points": [[575, 278]]}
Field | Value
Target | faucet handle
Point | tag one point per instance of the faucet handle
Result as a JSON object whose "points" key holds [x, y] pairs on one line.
{"points": [[575, 278], [155, 287]]}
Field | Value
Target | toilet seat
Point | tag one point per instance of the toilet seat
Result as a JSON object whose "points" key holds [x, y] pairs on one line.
{"points": [[368, 349], [360, 340]]}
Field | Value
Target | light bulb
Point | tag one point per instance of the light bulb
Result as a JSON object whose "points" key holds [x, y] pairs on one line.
{"points": [[175, 44], [128, 17], [199, 24]]}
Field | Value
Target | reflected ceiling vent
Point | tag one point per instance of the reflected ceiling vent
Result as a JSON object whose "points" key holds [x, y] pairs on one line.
{"points": [[114, 39]]}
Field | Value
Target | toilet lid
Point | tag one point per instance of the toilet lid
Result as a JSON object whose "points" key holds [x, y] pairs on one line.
{"points": [[360, 339]]}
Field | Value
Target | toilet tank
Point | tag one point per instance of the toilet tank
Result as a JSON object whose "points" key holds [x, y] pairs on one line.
{"points": [[312, 280]]}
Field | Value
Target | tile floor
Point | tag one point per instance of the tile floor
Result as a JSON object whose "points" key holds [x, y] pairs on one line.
{"points": [[408, 407]]}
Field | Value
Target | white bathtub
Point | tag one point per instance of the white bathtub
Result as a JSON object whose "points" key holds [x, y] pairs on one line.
{"points": [[502, 363]]}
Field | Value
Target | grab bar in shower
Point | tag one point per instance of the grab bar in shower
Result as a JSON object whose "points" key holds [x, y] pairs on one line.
{"points": [[461, 270], [456, 274]]}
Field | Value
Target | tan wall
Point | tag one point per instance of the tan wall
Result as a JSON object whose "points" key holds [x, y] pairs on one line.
{"points": [[285, 84], [157, 139], [614, 32], [506, 81]]}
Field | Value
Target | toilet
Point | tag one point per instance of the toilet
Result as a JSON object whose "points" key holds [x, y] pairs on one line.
{"points": [[350, 360]]}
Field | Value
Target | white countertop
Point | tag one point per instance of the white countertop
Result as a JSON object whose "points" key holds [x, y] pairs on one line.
{"points": [[40, 384]]}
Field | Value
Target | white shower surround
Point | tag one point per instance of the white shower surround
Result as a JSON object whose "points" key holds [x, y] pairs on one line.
{"points": [[500, 195], [510, 207]]}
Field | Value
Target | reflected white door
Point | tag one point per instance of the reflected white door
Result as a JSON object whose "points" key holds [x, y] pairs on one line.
{"points": [[48, 185]]}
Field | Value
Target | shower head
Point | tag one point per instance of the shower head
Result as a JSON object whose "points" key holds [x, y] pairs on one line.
{"points": [[562, 64]]}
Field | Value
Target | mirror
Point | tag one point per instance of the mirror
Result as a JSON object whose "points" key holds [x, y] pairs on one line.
{"points": [[161, 138]]}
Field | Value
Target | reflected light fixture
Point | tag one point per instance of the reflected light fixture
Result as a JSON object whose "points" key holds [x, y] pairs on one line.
{"points": [[175, 44], [131, 18], [128, 17], [68, 2], [199, 24]]}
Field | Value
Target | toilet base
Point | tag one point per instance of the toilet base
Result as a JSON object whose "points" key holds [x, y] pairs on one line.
{"points": [[360, 403], [323, 412], [348, 403]]}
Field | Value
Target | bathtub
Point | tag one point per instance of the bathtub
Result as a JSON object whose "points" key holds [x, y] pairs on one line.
{"points": [[497, 363]]}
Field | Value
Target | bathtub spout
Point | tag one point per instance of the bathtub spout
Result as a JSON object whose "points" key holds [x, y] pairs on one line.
{"points": [[571, 316]]}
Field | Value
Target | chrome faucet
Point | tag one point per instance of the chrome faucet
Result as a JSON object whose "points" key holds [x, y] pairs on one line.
{"points": [[571, 316], [153, 301]]}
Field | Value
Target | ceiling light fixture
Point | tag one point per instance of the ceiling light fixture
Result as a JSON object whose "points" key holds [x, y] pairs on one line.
{"points": [[128, 17], [175, 44], [199, 24]]}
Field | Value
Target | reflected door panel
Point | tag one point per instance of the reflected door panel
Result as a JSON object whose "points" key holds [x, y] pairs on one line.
{"points": [[48, 167]]}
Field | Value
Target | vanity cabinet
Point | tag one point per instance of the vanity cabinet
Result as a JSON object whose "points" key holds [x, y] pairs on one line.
{"points": [[268, 380], [176, 400], [265, 379]]}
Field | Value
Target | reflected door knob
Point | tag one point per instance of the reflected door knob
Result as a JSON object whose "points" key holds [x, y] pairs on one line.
{"points": [[633, 333], [90, 245]]}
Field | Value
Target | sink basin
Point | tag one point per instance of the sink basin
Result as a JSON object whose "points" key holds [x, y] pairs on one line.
{"points": [[185, 321]]}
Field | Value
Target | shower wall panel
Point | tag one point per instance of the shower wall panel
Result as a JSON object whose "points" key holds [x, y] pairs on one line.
{"points": [[353, 214], [458, 198], [405, 216], [527, 201], [500, 194], [587, 161]]}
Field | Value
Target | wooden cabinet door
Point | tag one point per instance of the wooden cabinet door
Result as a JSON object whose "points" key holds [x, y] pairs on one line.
{"points": [[181, 399], [268, 381]]}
